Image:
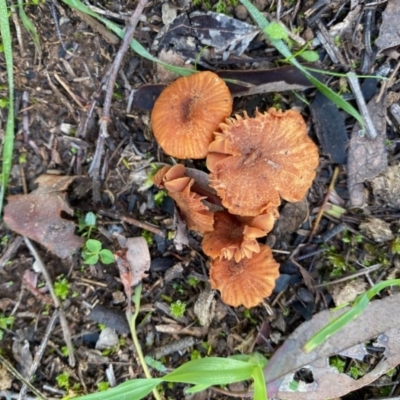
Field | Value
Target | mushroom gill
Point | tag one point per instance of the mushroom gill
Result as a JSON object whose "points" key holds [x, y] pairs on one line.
{"points": [[255, 161], [235, 237], [246, 282]]}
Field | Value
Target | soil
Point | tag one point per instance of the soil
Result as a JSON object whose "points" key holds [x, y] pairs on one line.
{"points": [[51, 138]]}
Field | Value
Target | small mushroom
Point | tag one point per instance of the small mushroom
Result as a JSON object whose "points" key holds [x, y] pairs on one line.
{"points": [[236, 237], [196, 215], [188, 112], [246, 282], [255, 161]]}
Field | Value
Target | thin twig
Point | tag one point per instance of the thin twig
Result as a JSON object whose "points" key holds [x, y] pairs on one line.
{"points": [[131, 221], [18, 376], [56, 300], [362, 106], [362, 272], [94, 169], [18, 30], [57, 24], [39, 354], [321, 210]]}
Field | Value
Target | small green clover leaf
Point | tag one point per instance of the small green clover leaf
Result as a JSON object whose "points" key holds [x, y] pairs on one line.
{"points": [[93, 251]]}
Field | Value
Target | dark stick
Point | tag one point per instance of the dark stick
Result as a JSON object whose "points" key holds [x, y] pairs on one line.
{"points": [[94, 169]]}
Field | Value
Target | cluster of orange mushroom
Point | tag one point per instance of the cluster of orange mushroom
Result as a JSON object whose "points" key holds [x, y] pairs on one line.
{"points": [[253, 163]]}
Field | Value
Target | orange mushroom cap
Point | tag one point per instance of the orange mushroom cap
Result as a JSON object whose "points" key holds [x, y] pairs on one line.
{"points": [[196, 215], [236, 238], [245, 282], [188, 112], [253, 161]]}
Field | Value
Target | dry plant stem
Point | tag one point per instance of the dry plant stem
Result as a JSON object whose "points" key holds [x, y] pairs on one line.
{"points": [[57, 24], [18, 376], [25, 116], [131, 221], [18, 30], [69, 91], [364, 271], [57, 303], [11, 395], [388, 83], [94, 169], [39, 354], [177, 345], [321, 210], [356, 89]]}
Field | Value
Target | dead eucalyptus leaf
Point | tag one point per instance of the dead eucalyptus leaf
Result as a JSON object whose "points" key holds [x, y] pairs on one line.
{"points": [[188, 34], [367, 157], [134, 262], [38, 215], [379, 317], [389, 30]]}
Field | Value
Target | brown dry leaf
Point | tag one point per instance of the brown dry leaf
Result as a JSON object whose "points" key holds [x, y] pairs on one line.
{"points": [[38, 215], [172, 58], [347, 293], [134, 262], [6, 378], [291, 218], [377, 229], [367, 157], [327, 381], [204, 308], [387, 186], [389, 30]]}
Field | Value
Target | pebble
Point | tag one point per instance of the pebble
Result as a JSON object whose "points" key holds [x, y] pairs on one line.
{"points": [[241, 12]]}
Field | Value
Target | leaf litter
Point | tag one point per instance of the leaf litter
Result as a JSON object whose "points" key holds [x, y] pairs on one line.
{"points": [[38, 215], [366, 166]]}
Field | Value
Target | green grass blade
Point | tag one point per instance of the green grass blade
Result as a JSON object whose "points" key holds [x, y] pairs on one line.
{"points": [[135, 45], [260, 388], [281, 46], [8, 141], [134, 389], [211, 371], [28, 24], [338, 323]]}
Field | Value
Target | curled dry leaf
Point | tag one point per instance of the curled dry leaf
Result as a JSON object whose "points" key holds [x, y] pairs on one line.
{"points": [[245, 282], [377, 229], [253, 161], [133, 261], [188, 112], [196, 215], [236, 237], [38, 215], [386, 186]]}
